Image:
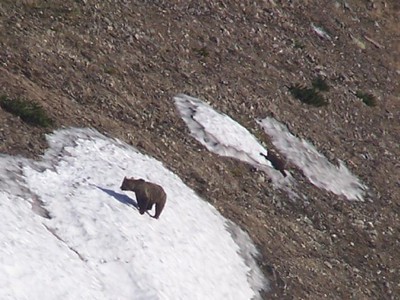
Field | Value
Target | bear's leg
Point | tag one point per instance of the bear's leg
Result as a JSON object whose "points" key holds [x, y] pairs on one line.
{"points": [[150, 206], [159, 208], [143, 203]]}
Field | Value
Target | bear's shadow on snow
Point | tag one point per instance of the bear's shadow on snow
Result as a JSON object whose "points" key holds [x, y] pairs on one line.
{"points": [[119, 197]]}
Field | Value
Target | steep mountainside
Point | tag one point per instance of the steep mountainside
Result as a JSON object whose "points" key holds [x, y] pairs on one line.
{"points": [[116, 64]]}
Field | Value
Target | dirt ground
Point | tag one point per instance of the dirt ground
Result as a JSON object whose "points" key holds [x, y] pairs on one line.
{"points": [[115, 66]]}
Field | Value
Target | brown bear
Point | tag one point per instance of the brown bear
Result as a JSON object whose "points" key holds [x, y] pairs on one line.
{"points": [[147, 194], [276, 161]]}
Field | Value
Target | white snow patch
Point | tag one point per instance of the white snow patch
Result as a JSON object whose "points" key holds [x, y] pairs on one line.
{"points": [[314, 165], [97, 246], [226, 137]]}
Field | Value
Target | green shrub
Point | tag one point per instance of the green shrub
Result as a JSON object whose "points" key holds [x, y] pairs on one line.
{"points": [[307, 95], [367, 98], [320, 84], [298, 44], [109, 70], [202, 52], [29, 111]]}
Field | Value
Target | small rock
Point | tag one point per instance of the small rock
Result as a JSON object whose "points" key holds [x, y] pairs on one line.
{"points": [[328, 264], [370, 225], [261, 179], [374, 233], [358, 223]]}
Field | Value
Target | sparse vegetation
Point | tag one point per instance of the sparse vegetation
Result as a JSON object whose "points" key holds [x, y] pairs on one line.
{"points": [[307, 95], [29, 111], [320, 84], [57, 9], [367, 98], [237, 172], [110, 70], [202, 52], [298, 45]]}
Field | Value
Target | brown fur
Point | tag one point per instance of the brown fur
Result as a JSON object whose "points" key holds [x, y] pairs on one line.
{"points": [[147, 194], [277, 162]]}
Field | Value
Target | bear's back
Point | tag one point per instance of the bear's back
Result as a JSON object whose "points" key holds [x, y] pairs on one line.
{"points": [[154, 191]]}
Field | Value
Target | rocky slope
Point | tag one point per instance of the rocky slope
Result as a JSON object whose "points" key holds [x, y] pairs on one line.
{"points": [[115, 66]]}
